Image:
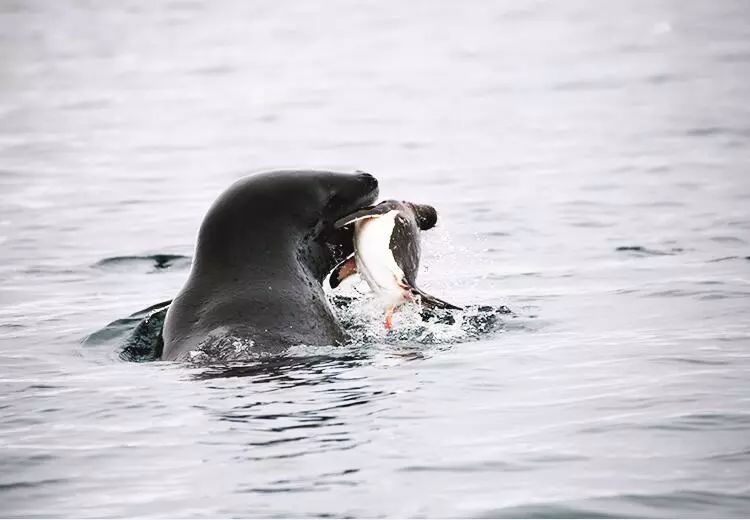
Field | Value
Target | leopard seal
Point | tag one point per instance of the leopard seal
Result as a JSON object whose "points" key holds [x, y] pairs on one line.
{"points": [[263, 251]]}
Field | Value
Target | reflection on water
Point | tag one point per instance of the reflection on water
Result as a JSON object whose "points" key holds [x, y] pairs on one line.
{"points": [[589, 167], [282, 369]]}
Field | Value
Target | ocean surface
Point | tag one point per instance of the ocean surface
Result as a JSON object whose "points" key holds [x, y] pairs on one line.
{"points": [[590, 163]]}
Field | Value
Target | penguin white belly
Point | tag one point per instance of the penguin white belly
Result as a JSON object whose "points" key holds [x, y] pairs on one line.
{"points": [[375, 262]]}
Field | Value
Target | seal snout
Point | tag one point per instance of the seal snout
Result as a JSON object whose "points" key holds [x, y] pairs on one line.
{"points": [[368, 179]]}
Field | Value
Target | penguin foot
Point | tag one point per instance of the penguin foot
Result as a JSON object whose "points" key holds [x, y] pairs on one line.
{"points": [[389, 318]]}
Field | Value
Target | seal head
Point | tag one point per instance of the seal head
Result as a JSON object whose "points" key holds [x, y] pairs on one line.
{"points": [[263, 250]]}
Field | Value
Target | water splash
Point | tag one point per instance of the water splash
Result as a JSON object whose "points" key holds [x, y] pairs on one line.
{"points": [[223, 349], [138, 337], [362, 318]]}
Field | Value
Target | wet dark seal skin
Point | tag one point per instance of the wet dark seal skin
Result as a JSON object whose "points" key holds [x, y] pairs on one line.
{"points": [[263, 250]]}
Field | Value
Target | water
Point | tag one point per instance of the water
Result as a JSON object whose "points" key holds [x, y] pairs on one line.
{"points": [[590, 167]]}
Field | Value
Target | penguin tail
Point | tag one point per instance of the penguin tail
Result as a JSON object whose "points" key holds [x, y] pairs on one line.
{"points": [[432, 302]]}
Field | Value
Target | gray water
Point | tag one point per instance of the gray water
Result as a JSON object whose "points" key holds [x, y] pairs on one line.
{"points": [[589, 162]]}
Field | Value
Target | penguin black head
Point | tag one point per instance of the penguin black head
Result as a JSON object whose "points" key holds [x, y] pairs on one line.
{"points": [[426, 215]]}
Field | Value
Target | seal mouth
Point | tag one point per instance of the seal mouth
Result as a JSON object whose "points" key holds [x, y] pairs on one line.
{"points": [[366, 200], [340, 241]]}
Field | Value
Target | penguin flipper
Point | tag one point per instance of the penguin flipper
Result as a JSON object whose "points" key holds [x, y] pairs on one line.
{"points": [[368, 212], [342, 271], [432, 302]]}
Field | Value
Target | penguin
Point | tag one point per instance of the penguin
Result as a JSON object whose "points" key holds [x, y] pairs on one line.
{"points": [[387, 251]]}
